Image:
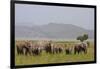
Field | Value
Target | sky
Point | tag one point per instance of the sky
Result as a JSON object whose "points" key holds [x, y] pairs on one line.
{"points": [[26, 14]]}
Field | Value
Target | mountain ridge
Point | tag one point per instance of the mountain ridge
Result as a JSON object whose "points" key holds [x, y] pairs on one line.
{"points": [[51, 31]]}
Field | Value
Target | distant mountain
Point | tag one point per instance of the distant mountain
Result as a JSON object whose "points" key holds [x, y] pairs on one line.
{"points": [[51, 31]]}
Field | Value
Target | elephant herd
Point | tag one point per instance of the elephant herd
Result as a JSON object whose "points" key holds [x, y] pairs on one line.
{"points": [[49, 47]]}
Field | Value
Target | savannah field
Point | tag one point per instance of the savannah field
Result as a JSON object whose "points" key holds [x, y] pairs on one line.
{"points": [[46, 58]]}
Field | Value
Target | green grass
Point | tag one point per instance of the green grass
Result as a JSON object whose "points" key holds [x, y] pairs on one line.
{"points": [[45, 58]]}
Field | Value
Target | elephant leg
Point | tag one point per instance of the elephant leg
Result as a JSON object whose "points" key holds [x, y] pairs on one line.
{"points": [[79, 51], [85, 51], [74, 52]]}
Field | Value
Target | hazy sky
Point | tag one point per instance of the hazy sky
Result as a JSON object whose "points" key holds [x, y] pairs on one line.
{"points": [[39, 15]]}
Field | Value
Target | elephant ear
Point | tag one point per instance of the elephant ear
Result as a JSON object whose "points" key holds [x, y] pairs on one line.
{"points": [[84, 44]]}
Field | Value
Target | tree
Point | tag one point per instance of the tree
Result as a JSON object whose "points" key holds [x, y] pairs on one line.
{"points": [[82, 38], [85, 36]]}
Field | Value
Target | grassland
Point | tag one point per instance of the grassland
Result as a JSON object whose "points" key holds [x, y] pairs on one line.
{"points": [[45, 58]]}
